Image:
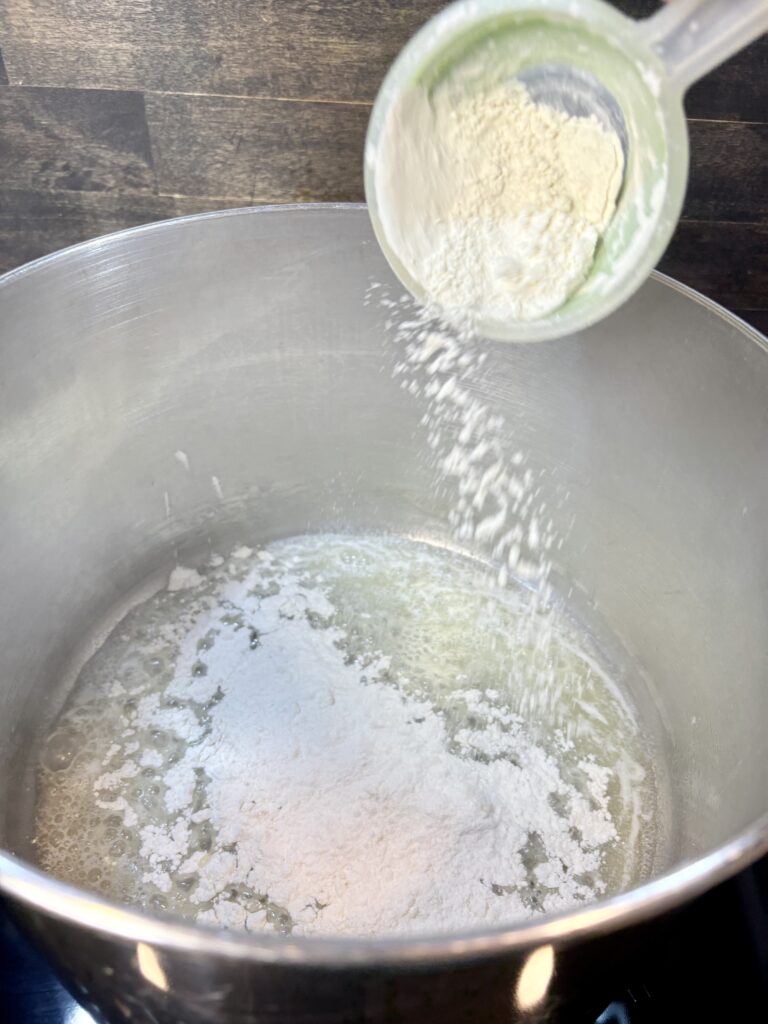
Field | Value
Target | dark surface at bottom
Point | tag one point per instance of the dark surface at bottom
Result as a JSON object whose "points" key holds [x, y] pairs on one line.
{"points": [[709, 962]]}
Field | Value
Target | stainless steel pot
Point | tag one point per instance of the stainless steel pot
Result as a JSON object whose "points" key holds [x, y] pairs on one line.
{"points": [[244, 338]]}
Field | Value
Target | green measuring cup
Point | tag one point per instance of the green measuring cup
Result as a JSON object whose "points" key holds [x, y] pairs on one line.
{"points": [[585, 57]]}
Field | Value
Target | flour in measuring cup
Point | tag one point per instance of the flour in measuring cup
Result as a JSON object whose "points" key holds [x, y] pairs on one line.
{"points": [[493, 203]]}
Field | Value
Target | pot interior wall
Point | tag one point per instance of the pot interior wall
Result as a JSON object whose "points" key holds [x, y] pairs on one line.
{"points": [[246, 342]]}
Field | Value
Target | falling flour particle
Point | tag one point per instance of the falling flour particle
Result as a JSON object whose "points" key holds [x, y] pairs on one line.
{"points": [[493, 203], [324, 737]]}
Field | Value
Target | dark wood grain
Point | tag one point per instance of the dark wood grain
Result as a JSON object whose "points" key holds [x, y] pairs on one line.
{"points": [[335, 49], [33, 224], [638, 8], [737, 90], [726, 261], [729, 171], [84, 140], [263, 150]]}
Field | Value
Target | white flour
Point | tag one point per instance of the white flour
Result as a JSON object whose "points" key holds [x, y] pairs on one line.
{"points": [[493, 203], [496, 504], [323, 737]]}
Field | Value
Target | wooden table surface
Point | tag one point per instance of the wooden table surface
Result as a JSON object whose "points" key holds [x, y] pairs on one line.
{"points": [[119, 112]]}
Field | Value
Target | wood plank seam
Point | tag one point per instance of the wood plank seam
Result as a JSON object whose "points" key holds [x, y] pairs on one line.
{"points": [[305, 99]]}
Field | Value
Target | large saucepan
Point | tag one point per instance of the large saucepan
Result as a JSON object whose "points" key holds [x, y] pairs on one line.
{"points": [[245, 339]]}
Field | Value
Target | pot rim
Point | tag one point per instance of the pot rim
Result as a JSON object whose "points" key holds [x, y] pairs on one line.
{"points": [[37, 890]]}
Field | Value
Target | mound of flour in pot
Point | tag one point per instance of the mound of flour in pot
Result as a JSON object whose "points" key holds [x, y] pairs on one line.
{"points": [[493, 203], [325, 737]]}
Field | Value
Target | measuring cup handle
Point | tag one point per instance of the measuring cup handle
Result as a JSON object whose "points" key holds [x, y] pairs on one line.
{"points": [[694, 36]]}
